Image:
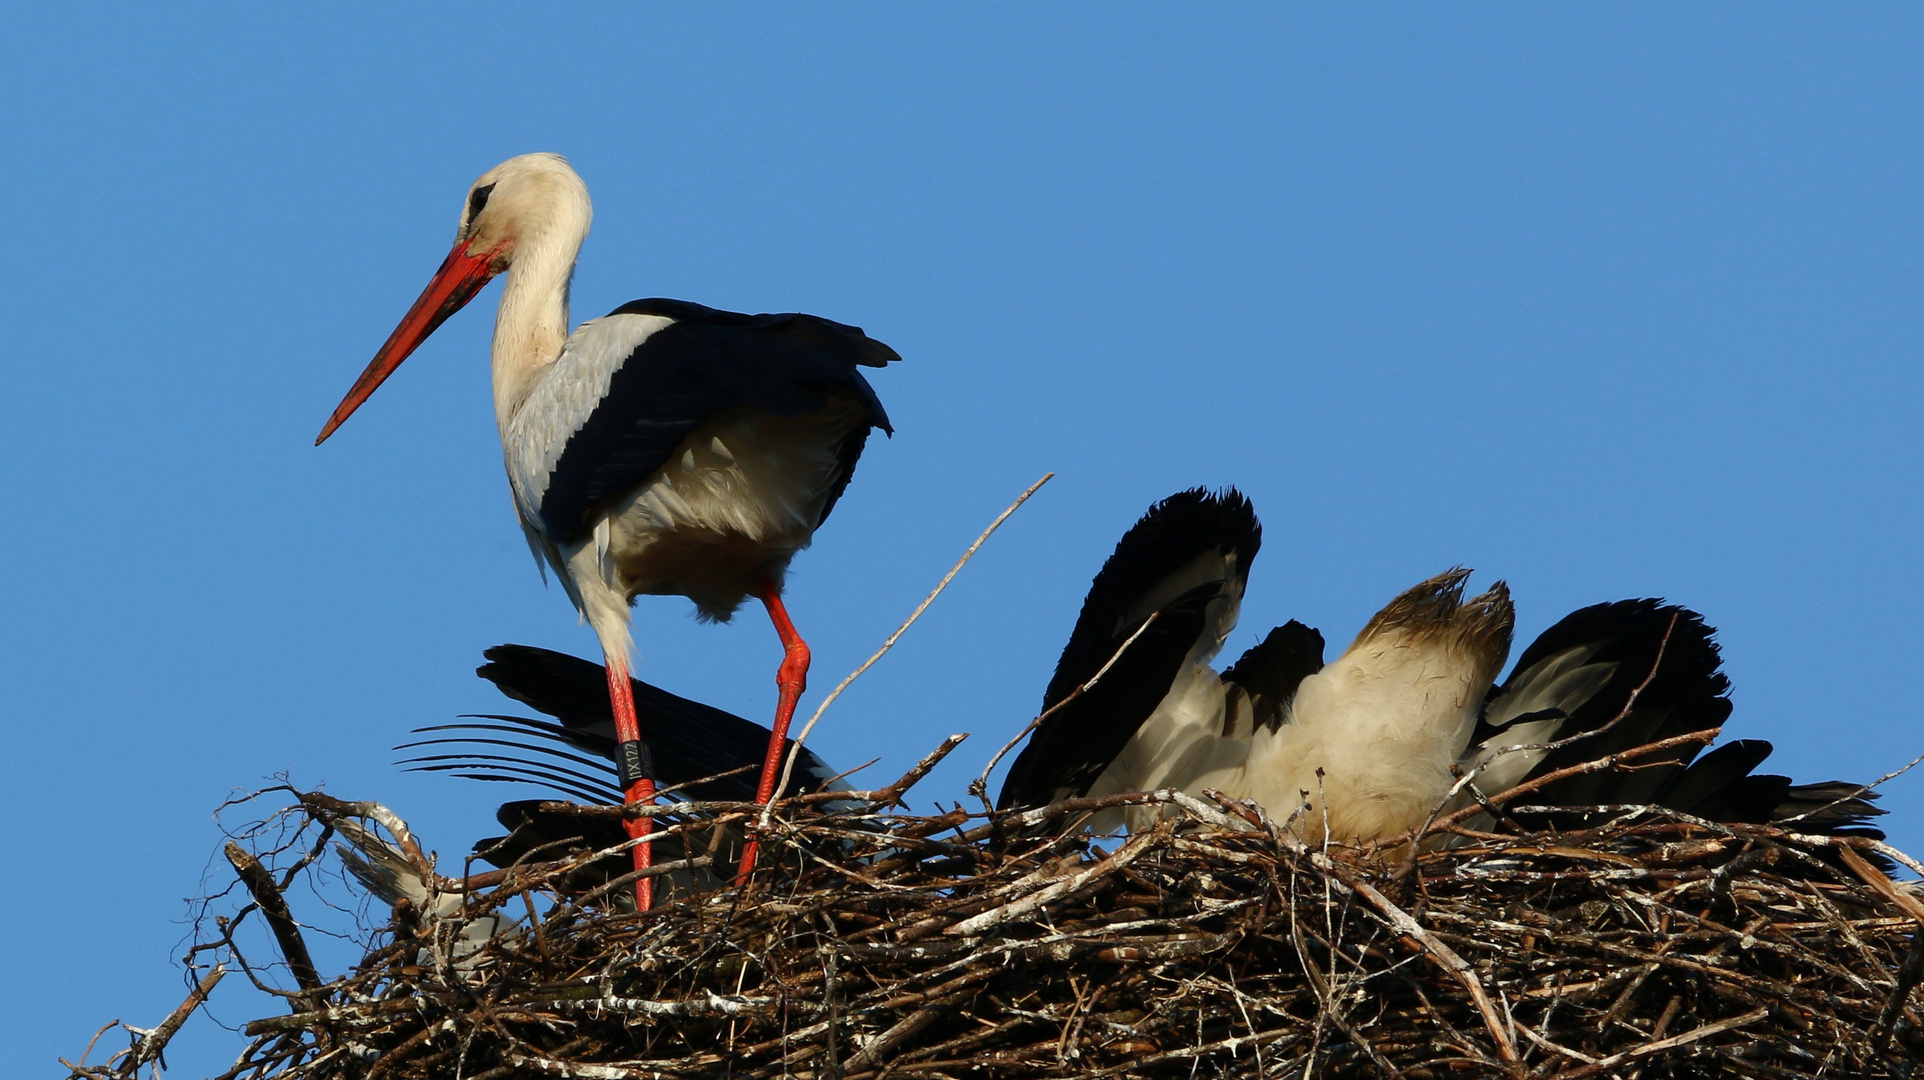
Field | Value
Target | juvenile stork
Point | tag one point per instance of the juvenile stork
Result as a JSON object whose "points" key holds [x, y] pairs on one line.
{"points": [[664, 449], [1365, 747]]}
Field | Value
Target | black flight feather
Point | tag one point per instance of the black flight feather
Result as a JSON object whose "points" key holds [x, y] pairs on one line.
{"points": [[1272, 669], [1685, 692], [690, 741], [683, 374], [1669, 678], [1070, 750]]}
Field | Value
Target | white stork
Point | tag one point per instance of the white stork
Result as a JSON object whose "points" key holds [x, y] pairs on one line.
{"points": [[665, 449], [1362, 749]]}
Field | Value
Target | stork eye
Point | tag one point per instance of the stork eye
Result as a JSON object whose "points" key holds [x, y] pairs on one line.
{"points": [[477, 199]]}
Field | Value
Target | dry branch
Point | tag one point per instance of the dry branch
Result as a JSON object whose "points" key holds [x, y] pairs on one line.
{"points": [[267, 894]]}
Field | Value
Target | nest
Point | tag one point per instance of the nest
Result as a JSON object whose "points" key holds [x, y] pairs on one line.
{"points": [[981, 944]]}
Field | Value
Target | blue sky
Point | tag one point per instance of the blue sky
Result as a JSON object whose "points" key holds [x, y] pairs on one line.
{"points": [[1607, 301]]}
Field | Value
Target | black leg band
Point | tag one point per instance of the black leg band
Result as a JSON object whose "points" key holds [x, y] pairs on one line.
{"points": [[633, 762]]}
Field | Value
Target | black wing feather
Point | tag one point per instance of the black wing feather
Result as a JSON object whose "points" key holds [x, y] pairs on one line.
{"points": [[1170, 536], [682, 375], [537, 833], [1667, 663], [1069, 751], [1273, 668], [690, 741], [1667, 658]]}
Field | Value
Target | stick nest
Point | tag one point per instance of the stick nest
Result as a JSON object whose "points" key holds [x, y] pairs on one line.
{"points": [[963, 944]]}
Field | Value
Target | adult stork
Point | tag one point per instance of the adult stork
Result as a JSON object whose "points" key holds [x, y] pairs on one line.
{"points": [[1364, 748], [664, 449]]}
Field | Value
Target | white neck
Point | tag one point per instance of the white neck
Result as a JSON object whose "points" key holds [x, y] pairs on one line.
{"points": [[531, 324]]}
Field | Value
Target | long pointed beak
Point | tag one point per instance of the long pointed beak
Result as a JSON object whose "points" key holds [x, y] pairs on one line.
{"points": [[460, 277]]}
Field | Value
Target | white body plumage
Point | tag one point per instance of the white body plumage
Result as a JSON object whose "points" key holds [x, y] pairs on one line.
{"points": [[1365, 747], [738, 498]]}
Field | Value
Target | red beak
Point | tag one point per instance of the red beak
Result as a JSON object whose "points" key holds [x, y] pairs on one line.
{"points": [[460, 277]]}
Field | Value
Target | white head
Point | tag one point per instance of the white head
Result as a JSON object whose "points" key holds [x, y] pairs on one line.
{"points": [[534, 197], [527, 214]]}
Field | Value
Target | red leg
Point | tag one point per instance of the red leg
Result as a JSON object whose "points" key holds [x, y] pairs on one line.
{"points": [[790, 680], [638, 788]]}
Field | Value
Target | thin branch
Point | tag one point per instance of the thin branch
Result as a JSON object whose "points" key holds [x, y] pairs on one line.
{"points": [[788, 766], [1594, 765], [1856, 792], [287, 933], [152, 1043], [981, 785]]}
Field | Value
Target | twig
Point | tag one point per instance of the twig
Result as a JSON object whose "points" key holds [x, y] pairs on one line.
{"points": [[327, 807], [788, 767], [1882, 885], [1908, 974], [892, 794], [287, 933], [654, 871], [1659, 1046], [1610, 761], [981, 785], [151, 1044], [1857, 791], [1403, 924], [1129, 852]]}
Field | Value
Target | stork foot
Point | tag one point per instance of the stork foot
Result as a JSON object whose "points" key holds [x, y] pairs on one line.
{"points": [[791, 679]]}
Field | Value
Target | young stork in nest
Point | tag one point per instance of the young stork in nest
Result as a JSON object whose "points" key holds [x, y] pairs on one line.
{"points": [[1363, 749], [664, 449], [696, 752]]}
